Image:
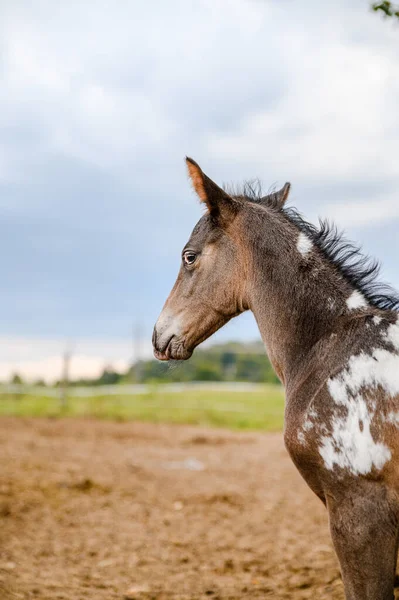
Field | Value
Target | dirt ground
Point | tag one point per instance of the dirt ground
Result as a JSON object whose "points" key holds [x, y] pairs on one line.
{"points": [[100, 510]]}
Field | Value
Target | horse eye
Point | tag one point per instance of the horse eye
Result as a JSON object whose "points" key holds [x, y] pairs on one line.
{"points": [[189, 258]]}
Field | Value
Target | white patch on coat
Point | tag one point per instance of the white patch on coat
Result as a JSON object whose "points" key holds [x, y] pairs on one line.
{"points": [[308, 425], [392, 334], [393, 417], [377, 320], [304, 244], [301, 438], [380, 368], [350, 445], [310, 420], [356, 300], [331, 303]]}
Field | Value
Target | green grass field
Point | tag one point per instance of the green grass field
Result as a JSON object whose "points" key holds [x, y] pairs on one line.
{"points": [[261, 409]]}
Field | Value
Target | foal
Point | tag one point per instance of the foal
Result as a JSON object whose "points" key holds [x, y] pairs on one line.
{"points": [[332, 335]]}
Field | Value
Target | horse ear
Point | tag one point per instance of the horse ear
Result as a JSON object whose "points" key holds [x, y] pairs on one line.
{"points": [[278, 199], [218, 202]]}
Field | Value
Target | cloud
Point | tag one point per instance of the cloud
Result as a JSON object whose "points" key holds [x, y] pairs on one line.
{"points": [[337, 120], [34, 358], [99, 107], [364, 214]]}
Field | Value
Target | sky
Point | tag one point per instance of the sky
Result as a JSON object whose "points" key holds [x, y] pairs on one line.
{"points": [[100, 103]]}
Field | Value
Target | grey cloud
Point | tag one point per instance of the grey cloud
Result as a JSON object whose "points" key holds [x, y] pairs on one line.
{"points": [[102, 105]]}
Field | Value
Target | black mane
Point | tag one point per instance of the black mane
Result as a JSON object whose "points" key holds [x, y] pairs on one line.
{"points": [[358, 269]]}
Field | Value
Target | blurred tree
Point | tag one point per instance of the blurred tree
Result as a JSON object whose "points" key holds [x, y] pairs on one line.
{"points": [[207, 372], [229, 365], [225, 362], [232, 361], [40, 383], [387, 8], [255, 368], [108, 377], [17, 379]]}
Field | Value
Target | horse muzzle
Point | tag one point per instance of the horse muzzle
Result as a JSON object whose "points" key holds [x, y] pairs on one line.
{"points": [[167, 341]]}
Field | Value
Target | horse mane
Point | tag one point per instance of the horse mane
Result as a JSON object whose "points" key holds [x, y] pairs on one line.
{"points": [[358, 269]]}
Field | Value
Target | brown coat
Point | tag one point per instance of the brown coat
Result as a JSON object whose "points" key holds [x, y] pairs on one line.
{"points": [[332, 335]]}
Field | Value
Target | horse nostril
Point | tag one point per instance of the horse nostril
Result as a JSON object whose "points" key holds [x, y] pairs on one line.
{"points": [[154, 338]]}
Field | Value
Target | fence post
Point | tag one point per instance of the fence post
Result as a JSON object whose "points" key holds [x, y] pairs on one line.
{"points": [[65, 380]]}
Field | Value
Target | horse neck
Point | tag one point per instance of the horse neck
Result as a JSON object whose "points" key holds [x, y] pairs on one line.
{"points": [[295, 304]]}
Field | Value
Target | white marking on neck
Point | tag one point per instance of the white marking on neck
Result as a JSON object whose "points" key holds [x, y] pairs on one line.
{"points": [[301, 438], [304, 244], [380, 368], [377, 320], [393, 417], [392, 334], [356, 300], [331, 303], [350, 444]]}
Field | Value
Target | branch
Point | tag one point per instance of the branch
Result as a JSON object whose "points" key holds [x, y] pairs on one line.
{"points": [[387, 8]]}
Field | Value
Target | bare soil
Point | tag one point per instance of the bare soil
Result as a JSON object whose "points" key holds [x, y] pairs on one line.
{"points": [[101, 510]]}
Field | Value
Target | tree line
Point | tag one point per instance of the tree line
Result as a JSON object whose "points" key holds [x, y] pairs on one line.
{"points": [[232, 361]]}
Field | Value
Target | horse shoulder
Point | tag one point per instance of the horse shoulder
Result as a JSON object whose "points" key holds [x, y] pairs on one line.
{"points": [[350, 427]]}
